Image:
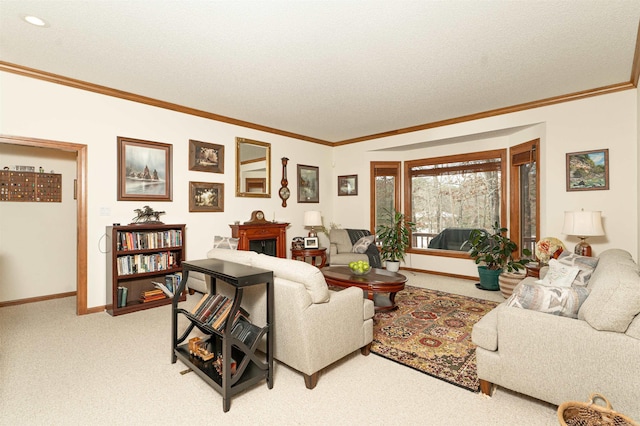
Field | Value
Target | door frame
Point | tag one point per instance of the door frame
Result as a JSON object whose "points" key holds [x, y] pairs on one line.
{"points": [[81, 212]]}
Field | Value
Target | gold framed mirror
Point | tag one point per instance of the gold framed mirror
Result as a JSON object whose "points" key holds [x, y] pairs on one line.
{"points": [[253, 168]]}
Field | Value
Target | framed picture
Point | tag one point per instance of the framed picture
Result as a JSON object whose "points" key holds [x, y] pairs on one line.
{"points": [[308, 184], [206, 197], [206, 157], [348, 185], [311, 242], [588, 170], [144, 170]]}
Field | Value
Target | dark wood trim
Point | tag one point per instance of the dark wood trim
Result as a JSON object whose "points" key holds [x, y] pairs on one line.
{"points": [[495, 112], [37, 299], [82, 196], [103, 90]]}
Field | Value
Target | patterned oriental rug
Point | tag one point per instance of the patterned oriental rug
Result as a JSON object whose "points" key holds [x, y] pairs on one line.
{"points": [[431, 332]]}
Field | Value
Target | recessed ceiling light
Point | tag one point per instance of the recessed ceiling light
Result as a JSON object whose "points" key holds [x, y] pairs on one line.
{"points": [[34, 20]]}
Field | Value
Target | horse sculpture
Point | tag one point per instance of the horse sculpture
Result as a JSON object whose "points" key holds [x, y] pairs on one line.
{"points": [[147, 215]]}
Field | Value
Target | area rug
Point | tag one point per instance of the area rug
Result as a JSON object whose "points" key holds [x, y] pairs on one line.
{"points": [[431, 332]]}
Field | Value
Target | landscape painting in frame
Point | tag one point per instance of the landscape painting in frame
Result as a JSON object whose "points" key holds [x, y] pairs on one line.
{"points": [[308, 184], [588, 170], [206, 157], [144, 170], [206, 197]]}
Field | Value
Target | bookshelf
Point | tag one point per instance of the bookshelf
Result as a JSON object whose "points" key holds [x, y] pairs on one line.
{"points": [[140, 256], [232, 339]]}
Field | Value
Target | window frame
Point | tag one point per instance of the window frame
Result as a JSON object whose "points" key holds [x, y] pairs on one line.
{"points": [[374, 166], [531, 147], [472, 156]]}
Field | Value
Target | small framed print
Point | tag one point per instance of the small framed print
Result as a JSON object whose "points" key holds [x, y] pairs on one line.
{"points": [[206, 197], [206, 157], [308, 184], [588, 170], [311, 242], [144, 170], [348, 185]]}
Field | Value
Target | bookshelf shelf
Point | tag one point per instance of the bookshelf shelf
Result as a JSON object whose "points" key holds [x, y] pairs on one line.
{"points": [[226, 339], [140, 255]]}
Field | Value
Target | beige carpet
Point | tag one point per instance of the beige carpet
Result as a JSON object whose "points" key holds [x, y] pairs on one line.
{"points": [[60, 369]]}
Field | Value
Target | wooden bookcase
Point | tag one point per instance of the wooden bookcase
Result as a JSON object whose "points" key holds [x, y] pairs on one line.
{"points": [[30, 186], [251, 366], [139, 256]]}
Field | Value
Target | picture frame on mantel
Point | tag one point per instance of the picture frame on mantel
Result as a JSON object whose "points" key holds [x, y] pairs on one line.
{"points": [[144, 170], [348, 185], [206, 157], [588, 170], [308, 184], [206, 197]]}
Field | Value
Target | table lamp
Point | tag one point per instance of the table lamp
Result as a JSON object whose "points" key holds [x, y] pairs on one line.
{"points": [[312, 219], [582, 225]]}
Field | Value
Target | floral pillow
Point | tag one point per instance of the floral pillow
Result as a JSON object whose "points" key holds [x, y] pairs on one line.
{"points": [[560, 301], [559, 274], [225, 242], [363, 244], [586, 265]]}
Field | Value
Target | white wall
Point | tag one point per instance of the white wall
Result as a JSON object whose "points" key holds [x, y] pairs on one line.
{"points": [[607, 121], [38, 109], [38, 239]]}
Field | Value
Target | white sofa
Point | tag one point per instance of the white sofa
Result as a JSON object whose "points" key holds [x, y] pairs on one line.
{"points": [[314, 327], [557, 358]]}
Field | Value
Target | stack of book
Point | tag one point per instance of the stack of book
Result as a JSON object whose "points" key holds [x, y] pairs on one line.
{"points": [[170, 285], [122, 296], [213, 310], [151, 295]]}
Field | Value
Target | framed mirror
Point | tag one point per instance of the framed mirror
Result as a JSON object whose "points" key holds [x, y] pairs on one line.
{"points": [[253, 168]]}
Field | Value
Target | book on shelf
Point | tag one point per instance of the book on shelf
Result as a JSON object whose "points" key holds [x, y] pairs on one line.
{"points": [[217, 311], [245, 331], [152, 295], [122, 296], [163, 287], [209, 307], [199, 304], [219, 322]]}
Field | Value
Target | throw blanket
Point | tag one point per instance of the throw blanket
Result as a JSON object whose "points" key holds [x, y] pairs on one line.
{"points": [[372, 251]]}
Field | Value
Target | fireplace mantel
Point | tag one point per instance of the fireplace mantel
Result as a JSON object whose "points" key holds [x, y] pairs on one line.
{"points": [[266, 234]]}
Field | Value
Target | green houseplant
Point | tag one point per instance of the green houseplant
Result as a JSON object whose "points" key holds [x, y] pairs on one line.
{"points": [[495, 251], [395, 238]]}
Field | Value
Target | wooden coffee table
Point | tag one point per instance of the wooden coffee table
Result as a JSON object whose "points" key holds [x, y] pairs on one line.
{"points": [[376, 284]]}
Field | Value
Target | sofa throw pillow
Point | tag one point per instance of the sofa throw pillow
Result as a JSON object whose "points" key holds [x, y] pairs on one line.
{"points": [[562, 301], [585, 264], [559, 275], [225, 242], [363, 244]]}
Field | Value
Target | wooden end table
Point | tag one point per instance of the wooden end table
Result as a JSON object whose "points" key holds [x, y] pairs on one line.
{"points": [[533, 269], [374, 284], [302, 254]]}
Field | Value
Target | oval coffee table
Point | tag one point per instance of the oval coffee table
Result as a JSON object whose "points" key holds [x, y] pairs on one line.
{"points": [[375, 284]]}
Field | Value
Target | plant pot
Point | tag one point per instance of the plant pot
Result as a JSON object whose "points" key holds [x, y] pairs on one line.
{"points": [[489, 278], [508, 280], [392, 265]]}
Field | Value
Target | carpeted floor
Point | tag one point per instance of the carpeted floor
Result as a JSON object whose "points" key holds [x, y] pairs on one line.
{"points": [[431, 332]]}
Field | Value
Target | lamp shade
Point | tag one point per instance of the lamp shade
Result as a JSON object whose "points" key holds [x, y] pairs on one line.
{"points": [[312, 218], [583, 224]]}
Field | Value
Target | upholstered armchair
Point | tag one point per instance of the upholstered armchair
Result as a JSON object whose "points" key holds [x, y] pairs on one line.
{"points": [[343, 241]]}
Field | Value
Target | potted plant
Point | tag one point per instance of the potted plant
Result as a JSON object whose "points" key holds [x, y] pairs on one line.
{"points": [[494, 250], [395, 238]]}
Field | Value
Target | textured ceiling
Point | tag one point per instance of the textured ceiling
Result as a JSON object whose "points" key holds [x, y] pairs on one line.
{"points": [[330, 70]]}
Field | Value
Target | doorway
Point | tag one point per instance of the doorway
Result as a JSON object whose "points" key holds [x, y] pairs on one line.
{"points": [[81, 213]]}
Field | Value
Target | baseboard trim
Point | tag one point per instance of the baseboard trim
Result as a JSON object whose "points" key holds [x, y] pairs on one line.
{"points": [[444, 274], [37, 299]]}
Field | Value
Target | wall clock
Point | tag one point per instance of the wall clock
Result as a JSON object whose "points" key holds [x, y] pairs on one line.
{"points": [[284, 191]]}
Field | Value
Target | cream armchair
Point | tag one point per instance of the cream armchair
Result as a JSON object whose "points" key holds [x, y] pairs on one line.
{"points": [[314, 327], [341, 248]]}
